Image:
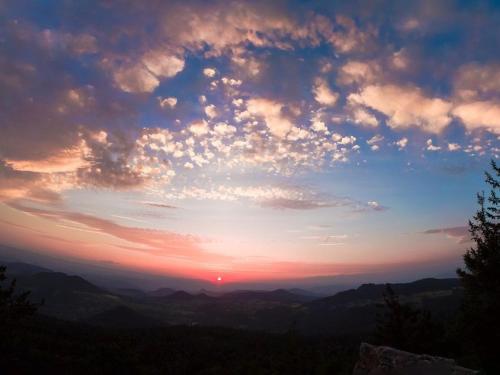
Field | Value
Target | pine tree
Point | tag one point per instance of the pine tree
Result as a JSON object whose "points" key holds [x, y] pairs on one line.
{"points": [[405, 327], [13, 306], [481, 277]]}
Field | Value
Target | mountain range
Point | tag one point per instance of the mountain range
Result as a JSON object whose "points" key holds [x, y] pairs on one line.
{"points": [[351, 311]]}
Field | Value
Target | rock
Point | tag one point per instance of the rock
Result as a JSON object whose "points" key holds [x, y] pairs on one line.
{"points": [[383, 360]]}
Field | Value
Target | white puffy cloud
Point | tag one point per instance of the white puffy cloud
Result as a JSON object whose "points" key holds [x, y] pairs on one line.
{"points": [[323, 94], [211, 111], [348, 140], [237, 102], [319, 126], [405, 107], [479, 114], [199, 127], [145, 75], [363, 117], [402, 143], [223, 129], [135, 79], [209, 72], [231, 81], [169, 102], [431, 146], [271, 112], [162, 65]]}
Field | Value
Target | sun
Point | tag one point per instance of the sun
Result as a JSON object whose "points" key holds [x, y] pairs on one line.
{"points": [[219, 278]]}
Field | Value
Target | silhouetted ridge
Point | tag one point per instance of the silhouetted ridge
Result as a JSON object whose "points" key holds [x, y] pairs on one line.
{"points": [[375, 291], [50, 282], [23, 269]]}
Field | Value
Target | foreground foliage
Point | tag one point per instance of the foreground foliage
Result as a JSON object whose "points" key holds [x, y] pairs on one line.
{"points": [[46, 345]]}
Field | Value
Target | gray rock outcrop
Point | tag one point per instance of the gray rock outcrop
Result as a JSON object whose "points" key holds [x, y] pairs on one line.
{"points": [[383, 360]]}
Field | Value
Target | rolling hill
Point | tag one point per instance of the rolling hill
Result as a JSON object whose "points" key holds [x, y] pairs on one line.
{"points": [[351, 311]]}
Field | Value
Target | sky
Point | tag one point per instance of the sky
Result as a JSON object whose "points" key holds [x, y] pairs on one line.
{"points": [[247, 140]]}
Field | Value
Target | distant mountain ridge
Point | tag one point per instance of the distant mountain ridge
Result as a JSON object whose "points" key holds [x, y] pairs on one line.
{"points": [[350, 311], [20, 268], [375, 291], [46, 282]]}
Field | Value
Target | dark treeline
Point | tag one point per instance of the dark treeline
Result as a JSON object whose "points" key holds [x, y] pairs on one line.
{"points": [[46, 345]]}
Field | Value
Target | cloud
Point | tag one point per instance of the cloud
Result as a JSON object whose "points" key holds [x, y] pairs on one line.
{"points": [[211, 111], [276, 197], [135, 78], [16, 184], [169, 102], [68, 160], [199, 127], [402, 143], [159, 205], [375, 139], [77, 44], [400, 59], [222, 129], [50, 128], [344, 35], [153, 241], [375, 206], [323, 94], [145, 75], [294, 204], [99, 160], [240, 148], [358, 72], [108, 162], [410, 24], [224, 27], [405, 107], [373, 142], [474, 80], [271, 112], [363, 117], [430, 146], [162, 64], [209, 72], [313, 203], [480, 114], [460, 234]]}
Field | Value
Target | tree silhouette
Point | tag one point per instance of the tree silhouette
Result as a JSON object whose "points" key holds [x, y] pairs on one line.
{"points": [[481, 277], [13, 306], [405, 327]]}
